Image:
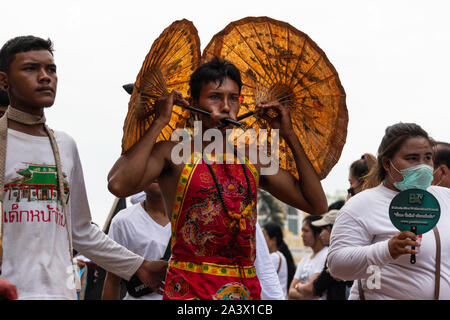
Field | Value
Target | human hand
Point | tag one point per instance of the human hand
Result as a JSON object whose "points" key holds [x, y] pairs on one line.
{"points": [[153, 273], [278, 116], [8, 290], [164, 105], [398, 243]]}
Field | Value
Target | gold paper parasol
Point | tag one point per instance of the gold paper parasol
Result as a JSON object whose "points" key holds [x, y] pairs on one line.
{"points": [[168, 66], [280, 62]]}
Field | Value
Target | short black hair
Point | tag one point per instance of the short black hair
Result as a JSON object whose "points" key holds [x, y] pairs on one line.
{"points": [[441, 154], [216, 69], [21, 44]]}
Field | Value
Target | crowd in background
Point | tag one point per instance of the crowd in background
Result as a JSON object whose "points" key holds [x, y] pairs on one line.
{"points": [[354, 246]]}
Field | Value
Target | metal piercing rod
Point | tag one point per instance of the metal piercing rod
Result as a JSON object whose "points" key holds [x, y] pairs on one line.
{"points": [[246, 115], [207, 113]]}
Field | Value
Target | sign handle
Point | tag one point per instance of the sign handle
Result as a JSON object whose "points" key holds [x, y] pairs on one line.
{"points": [[413, 256]]}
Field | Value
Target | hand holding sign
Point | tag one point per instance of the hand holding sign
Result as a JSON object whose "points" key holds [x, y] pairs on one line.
{"points": [[399, 242], [413, 212]]}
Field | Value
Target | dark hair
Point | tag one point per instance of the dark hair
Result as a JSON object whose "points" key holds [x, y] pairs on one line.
{"points": [[337, 205], [21, 44], [4, 99], [392, 141], [441, 154], [274, 230], [214, 70], [362, 166], [316, 230]]}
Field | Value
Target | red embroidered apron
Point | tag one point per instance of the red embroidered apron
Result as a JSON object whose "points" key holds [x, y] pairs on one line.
{"points": [[213, 252]]}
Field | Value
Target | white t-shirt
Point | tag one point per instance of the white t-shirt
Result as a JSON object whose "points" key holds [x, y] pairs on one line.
{"points": [[279, 262], [307, 267], [36, 257], [267, 275], [359, 249], [136, 230]]}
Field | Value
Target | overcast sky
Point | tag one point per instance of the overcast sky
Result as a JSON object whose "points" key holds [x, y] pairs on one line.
{"points": [[392, 58]]}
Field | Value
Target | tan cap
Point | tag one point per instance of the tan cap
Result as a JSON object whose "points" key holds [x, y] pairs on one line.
{"points": [[327, 219]]}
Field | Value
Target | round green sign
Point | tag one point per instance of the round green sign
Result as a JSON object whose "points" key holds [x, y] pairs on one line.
{"points": [[414, 209]]}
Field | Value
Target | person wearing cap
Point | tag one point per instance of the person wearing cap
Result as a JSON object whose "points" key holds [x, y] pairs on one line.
{"points": [[334, 288]]}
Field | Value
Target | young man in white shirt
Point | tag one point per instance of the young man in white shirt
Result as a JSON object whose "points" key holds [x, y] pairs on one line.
{"points": [[39, 224], [143, 228]]}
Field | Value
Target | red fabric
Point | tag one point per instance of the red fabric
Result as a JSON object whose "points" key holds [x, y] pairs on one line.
{"points": [[204, 234]]}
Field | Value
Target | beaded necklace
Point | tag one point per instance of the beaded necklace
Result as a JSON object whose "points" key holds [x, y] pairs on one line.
{"points": [[236, 217]]}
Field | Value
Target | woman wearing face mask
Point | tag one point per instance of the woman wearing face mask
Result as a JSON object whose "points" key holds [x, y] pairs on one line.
{"points": [[358, 171], [365, 244]]}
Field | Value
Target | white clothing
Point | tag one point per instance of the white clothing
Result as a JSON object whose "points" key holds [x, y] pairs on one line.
{"points": [[136, 230], [267, 275], [138, 197], [308, 267], [280, 264], [36, 257], [359, 240]]}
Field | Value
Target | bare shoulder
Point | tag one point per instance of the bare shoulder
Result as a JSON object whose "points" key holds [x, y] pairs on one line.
{"points": [[164, 146], [163, 150]]}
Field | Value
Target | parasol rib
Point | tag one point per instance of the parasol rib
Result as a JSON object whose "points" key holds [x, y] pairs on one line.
{"points": [[245, 61], [256, 56], [273, 42], [307, 72], [274, 74], [298, 61], [316, 83], [169, 50]]}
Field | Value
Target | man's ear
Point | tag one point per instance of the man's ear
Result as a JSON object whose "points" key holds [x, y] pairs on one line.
{"points": [[442, 169], [4, 81]]}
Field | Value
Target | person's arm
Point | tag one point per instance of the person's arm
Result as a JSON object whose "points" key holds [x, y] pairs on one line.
{"points": [[302, 291], [8, 290], [351, 249], [139, 166], [111, 287], [306, 193], [97, 246]]}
